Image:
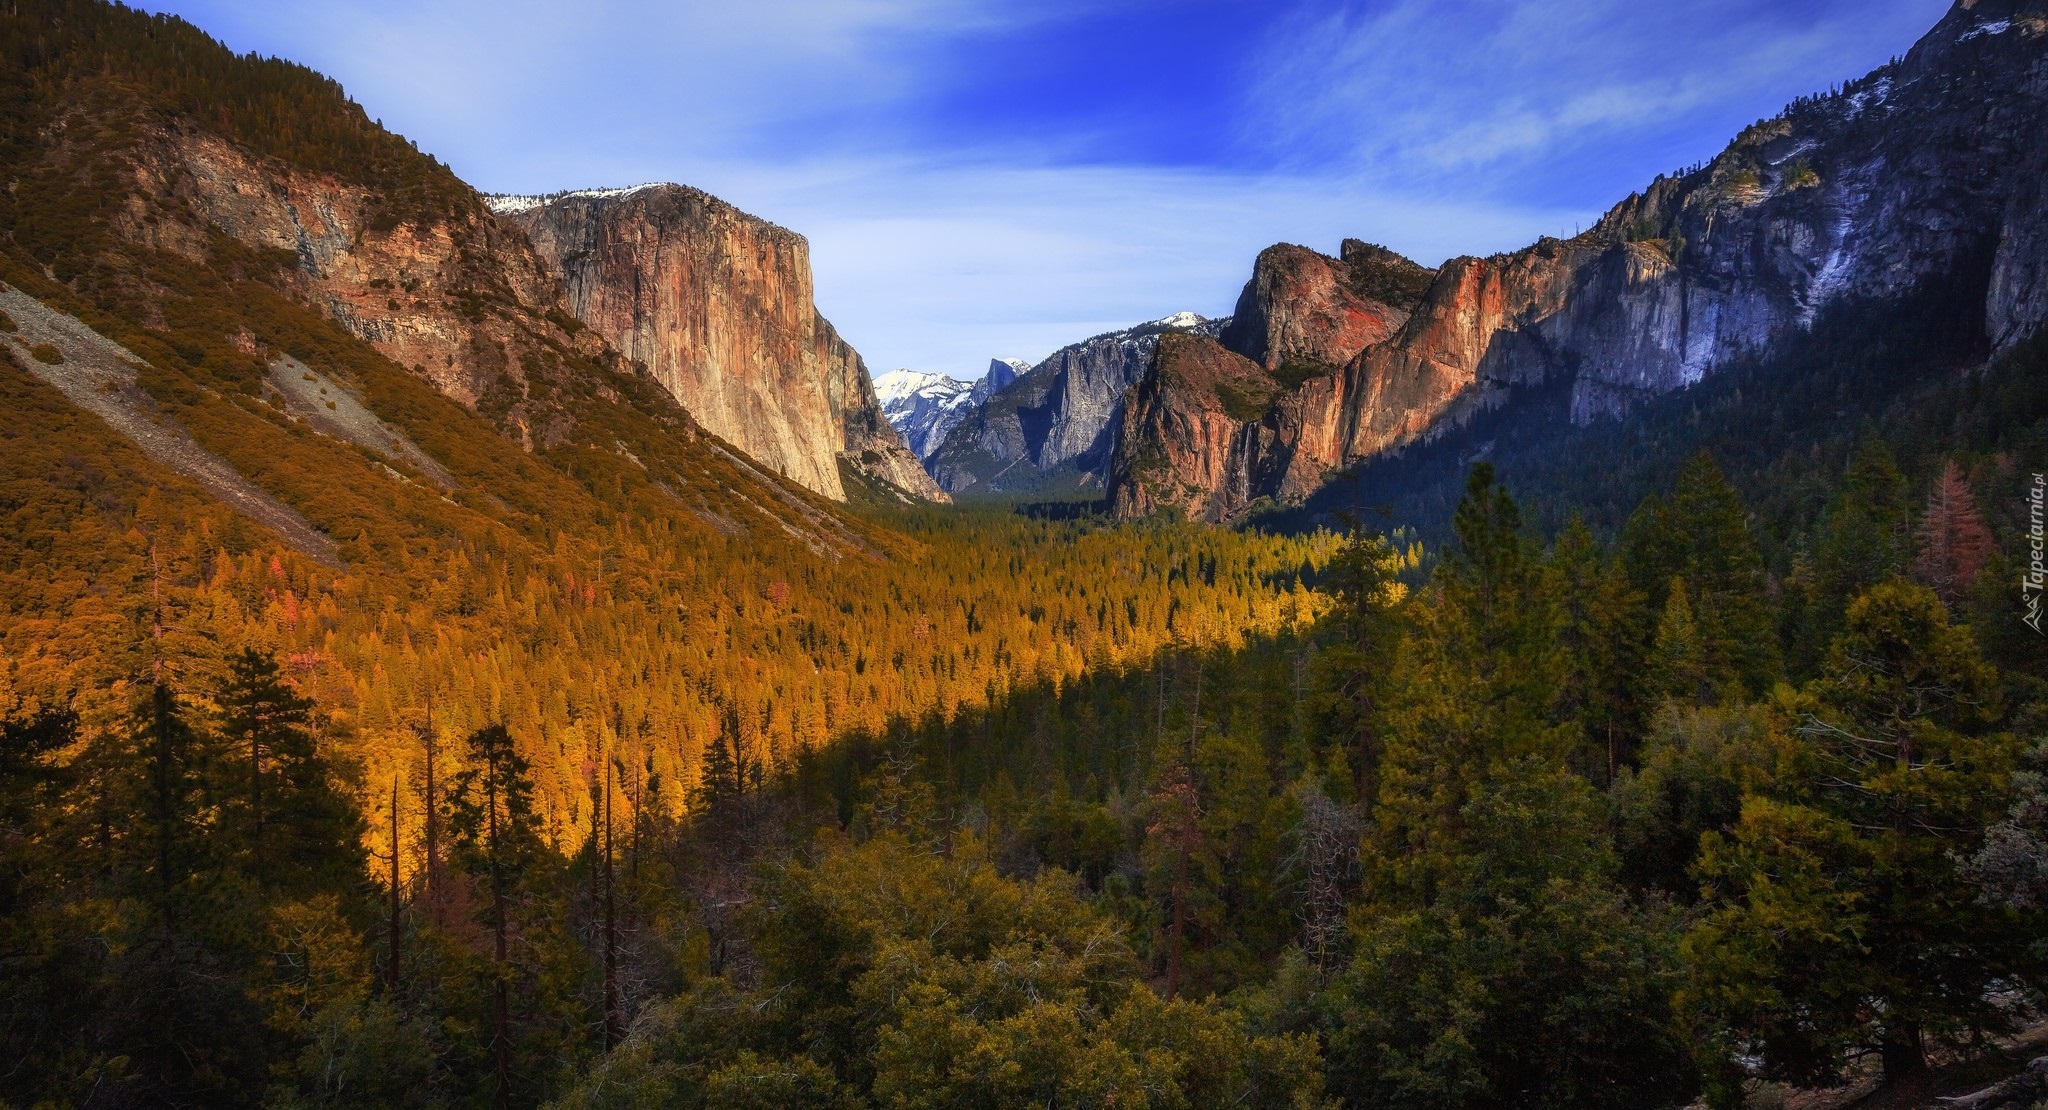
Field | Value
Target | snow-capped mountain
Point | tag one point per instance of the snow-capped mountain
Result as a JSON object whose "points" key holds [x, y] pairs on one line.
{"points": [[1001, 372], [924, 407]]}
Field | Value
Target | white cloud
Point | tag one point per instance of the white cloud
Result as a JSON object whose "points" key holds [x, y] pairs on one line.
{"points": [[1441, 87], [1425, 125], [940, 267]]}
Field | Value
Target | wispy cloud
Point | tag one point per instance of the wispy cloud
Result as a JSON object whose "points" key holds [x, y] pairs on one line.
{"points": [[997, 177], [942, 266], [521, 88], [1442, 89]]}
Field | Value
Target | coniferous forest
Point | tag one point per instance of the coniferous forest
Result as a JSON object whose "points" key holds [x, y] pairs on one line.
{"points": [[1648, 763]]}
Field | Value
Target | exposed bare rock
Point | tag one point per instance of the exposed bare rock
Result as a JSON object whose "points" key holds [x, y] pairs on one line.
{"points": [[1186, 436], [716, 305], [192, 218], [98, 375], [462, 300], [1928, 170], [1057, 418], [1300, 311], [332, 408]]}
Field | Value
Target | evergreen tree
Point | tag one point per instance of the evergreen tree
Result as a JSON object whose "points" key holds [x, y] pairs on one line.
{"points": [[1678, 663], [1359, 653], [1839, 915], [1503, 967], [495, 839], [1862, 539], [302, 832], [1729, 595], [45, 989], [175, 1005], [1481, 673]]}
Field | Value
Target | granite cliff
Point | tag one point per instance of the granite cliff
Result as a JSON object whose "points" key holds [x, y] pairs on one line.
{"points": [[716, 305], [456, 297], [1187, 435], [297, 314], [1313, 313], [1928, 170], [1054, 423]]}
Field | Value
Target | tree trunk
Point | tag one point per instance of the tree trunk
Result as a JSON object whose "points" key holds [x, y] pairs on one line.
{"points": [[501, 1051], [391, 970], [1903, 1053], [1613, 755], [501, 1015], [613, 1028], [256, 798]]}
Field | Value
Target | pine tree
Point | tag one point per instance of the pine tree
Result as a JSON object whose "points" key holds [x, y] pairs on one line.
{"points": [[1359, 655], [1954, 543], [496, 838], [1840, 918], [1725, 574], [1597, 630], [1679, 660], [301, 831]]}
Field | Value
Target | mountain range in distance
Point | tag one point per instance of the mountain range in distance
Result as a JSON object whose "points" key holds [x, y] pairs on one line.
{"points": [[1330, 362], [925, 406], [1327, 362]]}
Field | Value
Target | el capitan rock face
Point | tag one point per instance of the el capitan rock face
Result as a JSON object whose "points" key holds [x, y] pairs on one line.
{"points": [[1928, 170], [717, 306]]}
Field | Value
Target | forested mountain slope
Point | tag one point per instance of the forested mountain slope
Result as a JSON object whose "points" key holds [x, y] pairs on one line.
{"points": [[546, 538]]}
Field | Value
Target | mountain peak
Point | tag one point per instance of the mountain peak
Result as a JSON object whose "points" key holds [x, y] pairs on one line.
{"points": [[898, 384]]}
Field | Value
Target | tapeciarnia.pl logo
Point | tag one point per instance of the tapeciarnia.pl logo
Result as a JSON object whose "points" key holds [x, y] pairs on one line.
{"points": [[2036, 578]]}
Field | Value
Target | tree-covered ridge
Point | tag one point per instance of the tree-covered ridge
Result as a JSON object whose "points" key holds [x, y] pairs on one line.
{"points": [[1788, 426], [638, 628], [276, 108], [627, 578]]}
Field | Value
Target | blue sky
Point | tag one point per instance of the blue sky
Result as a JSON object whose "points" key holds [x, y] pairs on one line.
{"points": [[981, 178]]}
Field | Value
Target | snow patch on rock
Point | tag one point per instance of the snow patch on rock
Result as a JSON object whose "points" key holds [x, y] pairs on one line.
{"points": [[1998, 28], [923, 407], [507, 204]]}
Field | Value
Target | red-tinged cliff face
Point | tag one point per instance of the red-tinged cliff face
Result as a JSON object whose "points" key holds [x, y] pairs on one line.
{"points": [[717, 306], [462, 300], [1300, 310], [1927, 172], [1185, 438]]}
